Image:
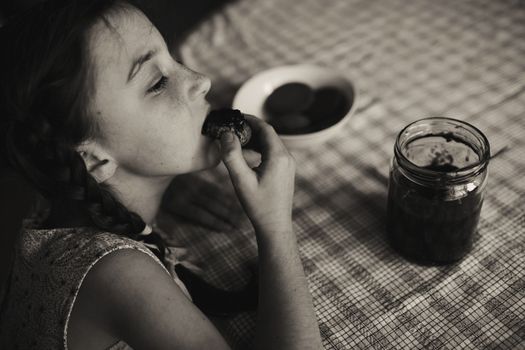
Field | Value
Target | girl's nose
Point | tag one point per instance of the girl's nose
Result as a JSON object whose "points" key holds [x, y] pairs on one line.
{"points": [[199, 85]]}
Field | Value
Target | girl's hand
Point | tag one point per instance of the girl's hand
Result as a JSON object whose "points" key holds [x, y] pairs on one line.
{"points": [[198, 201], [266, 191]]}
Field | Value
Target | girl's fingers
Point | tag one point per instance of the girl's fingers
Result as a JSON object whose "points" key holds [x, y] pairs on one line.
{"points": [[233, 159], [264, 138], [253, 158]]}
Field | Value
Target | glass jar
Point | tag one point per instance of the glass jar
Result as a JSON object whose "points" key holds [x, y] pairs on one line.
{"points": [[437, 179]]}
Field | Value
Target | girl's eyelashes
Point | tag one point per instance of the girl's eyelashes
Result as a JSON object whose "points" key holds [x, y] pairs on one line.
{"points": [[159, 86]]}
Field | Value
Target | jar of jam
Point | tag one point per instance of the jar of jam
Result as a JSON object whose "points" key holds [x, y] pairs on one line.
{"points": [[437, 179]]}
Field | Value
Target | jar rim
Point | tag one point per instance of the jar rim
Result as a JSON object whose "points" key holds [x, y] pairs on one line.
{"points": [[459, 175]]}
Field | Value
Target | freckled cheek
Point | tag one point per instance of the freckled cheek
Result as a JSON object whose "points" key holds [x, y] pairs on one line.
{"points": [[134, 149]]}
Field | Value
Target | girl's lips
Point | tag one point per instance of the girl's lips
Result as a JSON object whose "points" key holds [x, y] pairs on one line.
{"points": [[207, 109]]}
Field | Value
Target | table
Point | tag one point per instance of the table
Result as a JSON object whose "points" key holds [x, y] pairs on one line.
{"points": [[410, 59]]}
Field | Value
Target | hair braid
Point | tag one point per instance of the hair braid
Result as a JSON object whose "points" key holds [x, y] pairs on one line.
{"points": [[107, 212], [57, 170]]}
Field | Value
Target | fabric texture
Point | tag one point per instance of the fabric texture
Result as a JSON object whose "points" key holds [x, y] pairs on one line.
{"points": [[47, 273], [409, 60]]}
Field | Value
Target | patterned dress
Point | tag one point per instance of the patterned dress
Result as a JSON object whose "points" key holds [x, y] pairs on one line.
{"points": [[47, 272]]}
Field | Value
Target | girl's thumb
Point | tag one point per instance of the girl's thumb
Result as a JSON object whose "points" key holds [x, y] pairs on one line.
{"points": [[232, 157]]}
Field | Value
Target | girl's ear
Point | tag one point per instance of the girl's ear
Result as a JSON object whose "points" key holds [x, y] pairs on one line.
{"points": [[99, 162]]}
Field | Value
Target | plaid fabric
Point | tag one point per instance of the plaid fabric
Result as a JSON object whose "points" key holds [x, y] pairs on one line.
{"points": [[462, 59]]}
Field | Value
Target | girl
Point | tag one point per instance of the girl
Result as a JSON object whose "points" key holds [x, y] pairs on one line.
{"points": [[97, 115]]}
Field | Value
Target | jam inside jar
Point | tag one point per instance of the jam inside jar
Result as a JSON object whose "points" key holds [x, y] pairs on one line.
{"points": [[437, 179]]}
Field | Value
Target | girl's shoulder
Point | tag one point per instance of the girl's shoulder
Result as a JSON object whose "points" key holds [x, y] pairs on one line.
{"points": [[49, 268], [74, 247], [71, 251]]}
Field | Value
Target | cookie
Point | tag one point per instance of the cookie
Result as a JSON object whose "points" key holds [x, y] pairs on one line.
{"points": [[221, 120]]}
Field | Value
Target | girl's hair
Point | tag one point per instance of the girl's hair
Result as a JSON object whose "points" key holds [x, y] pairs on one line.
{"points": [[45, 85], [44, 92]]}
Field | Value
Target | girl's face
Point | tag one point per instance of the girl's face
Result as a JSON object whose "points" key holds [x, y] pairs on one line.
{"points": [[149, 109]]}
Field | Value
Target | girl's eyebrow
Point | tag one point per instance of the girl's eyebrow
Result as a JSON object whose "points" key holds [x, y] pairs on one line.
{"points": [[137, 64]]}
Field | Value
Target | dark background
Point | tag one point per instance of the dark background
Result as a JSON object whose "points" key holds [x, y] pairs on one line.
{"points": [[173, 18]]}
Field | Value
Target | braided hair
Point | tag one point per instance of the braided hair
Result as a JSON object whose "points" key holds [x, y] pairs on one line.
{"points": [[45, 87]]}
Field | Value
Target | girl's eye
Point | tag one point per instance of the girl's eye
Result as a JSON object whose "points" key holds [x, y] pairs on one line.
{"points": [[159, 85]]}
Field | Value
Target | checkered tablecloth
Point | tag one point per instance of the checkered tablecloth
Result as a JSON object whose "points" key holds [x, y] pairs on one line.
{"points": [[410, 59]]}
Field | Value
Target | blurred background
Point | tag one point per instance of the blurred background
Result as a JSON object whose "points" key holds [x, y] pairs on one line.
{"points": [[185, 15]]}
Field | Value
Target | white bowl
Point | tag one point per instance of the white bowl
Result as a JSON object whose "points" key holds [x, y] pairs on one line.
{"points": [[253, 93]]}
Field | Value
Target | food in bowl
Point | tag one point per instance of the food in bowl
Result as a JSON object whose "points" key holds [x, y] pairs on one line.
{"points": [[296, 108], [219, 121], [315, 119], [289, 98]]}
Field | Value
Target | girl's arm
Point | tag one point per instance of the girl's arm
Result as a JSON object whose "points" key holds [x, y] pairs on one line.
{"points": [[128, 296], [286, 317]]}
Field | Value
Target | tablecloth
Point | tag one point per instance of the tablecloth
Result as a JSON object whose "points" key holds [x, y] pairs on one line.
{"points": [[410, 59]]}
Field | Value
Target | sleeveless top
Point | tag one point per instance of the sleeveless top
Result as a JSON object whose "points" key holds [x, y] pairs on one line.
{"points": [[47, 273]]}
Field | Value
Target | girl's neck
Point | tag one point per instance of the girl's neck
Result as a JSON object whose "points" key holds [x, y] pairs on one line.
{"points": [[142, 195]]}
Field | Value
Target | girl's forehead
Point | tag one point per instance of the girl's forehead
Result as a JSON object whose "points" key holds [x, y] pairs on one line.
{"points": [[118, 38]]}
